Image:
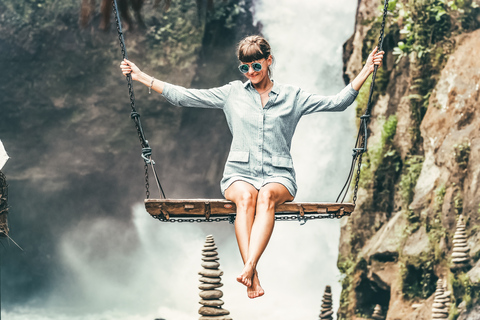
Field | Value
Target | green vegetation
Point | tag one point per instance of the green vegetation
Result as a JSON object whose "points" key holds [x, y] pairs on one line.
{"points": [[458, 202], [417, 276], [348, 266], [412, 167], [177, 37], [461, 153], [381, 165], [440, 197], [464, 290]]}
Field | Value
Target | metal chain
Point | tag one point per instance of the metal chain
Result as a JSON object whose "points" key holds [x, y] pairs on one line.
{"points": [[231, 218], [146, 150], [359, 150]]}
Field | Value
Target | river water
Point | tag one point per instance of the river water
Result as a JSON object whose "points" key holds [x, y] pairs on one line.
{"points": [[157, 277]]}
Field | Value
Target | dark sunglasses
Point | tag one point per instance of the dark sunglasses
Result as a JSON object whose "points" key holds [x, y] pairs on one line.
{"points": [[256, 66]]}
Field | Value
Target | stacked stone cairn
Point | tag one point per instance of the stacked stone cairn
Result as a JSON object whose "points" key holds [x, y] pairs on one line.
{"points": [[210, 281], [377, 313], [460, 256], [327, 312], [441, 302]]}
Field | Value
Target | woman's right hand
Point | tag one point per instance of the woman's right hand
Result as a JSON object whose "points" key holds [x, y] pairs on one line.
{"points": [[129, 67]]}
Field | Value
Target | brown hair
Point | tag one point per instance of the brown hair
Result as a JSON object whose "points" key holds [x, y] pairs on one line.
{"points": [[254, 48]]}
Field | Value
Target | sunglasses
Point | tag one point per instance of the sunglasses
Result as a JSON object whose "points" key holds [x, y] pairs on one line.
{"points": [[256, 66]]}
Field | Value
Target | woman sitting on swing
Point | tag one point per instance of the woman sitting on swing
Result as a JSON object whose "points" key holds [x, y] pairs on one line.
{"points": [[262, 115]]}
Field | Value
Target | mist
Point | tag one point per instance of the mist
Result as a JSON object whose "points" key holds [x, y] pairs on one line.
{"points": [[112, 267]]}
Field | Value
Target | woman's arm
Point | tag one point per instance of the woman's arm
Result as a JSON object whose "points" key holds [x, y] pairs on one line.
{"points": [[177, 95], [309, 103], [374, 58], [129, 67]]}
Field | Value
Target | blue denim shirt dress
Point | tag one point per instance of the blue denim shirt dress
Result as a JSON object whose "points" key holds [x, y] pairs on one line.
{"points": [[262, 136]]}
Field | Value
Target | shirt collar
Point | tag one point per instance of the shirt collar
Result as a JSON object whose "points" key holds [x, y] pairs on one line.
{"points": [[275, 89]]}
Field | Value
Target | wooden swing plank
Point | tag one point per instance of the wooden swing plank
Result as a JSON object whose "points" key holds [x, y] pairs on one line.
{"points": [[194, 208]]}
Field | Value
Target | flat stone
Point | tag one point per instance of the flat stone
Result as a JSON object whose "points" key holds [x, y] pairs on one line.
{"points": [[212, 303], [209, 253], [459, 241], [211, 273], [326, 314], [461, 249], [326, 294], [210, 258], [211, 294], [460, 260], [210, 280], [209, 248], [209, 244], [212, 311], [215, 318], [326, 305], [438, 310], [438, 305], [208, 286], [459, 254], [210, 265]]}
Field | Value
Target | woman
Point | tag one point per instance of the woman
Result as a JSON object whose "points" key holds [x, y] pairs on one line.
{"points": [[262, 115]]}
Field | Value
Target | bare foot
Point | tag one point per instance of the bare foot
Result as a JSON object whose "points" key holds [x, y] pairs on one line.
{"points": [[255, 290], [246, 276]]}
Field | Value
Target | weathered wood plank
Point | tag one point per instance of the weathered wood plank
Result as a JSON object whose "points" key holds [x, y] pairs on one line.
{"points": [[195, 208]]}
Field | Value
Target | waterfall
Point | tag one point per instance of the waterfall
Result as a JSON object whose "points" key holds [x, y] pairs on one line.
{"points": [[149, 270]]}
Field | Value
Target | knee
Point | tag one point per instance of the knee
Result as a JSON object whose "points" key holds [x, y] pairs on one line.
{"points": [[246, 199], [266, 198]]}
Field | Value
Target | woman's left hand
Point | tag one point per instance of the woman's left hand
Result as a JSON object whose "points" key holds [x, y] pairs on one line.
{"points": [[374, 58]]}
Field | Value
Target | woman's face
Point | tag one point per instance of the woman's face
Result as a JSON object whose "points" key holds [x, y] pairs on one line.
{"points": [[258, 76]]}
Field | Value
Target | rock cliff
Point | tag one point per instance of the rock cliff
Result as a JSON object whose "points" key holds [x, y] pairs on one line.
{"points": [[422, 169]]}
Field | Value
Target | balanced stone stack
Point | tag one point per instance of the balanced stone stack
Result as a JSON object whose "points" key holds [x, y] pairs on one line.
{"points": [[460, 256], [327, 312], [210, 281], [377, 313], [441, 302]]}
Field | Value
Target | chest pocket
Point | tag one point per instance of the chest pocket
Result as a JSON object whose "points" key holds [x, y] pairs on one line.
{"points": [[284, 162]]}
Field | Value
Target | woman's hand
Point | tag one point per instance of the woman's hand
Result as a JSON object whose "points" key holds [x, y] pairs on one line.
{"points": [[374, 58], [129, 67]]}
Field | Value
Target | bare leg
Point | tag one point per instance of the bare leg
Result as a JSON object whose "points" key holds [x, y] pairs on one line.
{"points": [[244, 195], [268, 197]]}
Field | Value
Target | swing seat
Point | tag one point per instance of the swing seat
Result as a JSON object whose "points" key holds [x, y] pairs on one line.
{"points": [[210, 208]]}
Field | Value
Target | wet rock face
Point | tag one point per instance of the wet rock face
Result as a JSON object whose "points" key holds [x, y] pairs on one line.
{"points": [[453, 119], [210, 281]]}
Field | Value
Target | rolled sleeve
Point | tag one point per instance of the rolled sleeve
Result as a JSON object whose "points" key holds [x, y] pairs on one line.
{"points": [[196, 98], [309, 103]]}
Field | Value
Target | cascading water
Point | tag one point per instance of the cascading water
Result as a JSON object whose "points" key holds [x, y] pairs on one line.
{"points": [[150, 271]]}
